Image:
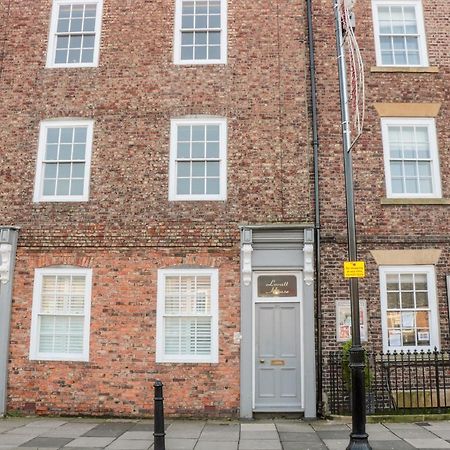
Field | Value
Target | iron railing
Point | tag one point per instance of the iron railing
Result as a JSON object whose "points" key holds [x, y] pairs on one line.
{"points": [[397, 382]]}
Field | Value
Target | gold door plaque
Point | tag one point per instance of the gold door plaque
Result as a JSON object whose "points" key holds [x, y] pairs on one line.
{"points": [[277, 362]]}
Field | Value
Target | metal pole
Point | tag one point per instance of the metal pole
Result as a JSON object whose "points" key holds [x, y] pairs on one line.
{"points": [[158, 431], [358, 436]]}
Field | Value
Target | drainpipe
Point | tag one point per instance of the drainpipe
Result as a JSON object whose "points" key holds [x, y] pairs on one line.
{"points": [[8, 245], [312, 72]]}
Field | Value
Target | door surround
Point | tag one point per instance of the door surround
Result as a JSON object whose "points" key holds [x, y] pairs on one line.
{"points": [[277, 248]]}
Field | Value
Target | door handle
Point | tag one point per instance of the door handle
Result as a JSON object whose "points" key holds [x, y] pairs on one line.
{"points": [[262, 361]]}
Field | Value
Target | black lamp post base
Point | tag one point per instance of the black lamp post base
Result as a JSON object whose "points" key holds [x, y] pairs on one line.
{"points": [[359, 442]]}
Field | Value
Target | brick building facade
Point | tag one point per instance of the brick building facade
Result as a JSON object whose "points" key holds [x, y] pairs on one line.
{"points": [[157, 159]]}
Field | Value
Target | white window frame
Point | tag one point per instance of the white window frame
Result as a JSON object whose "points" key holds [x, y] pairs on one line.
{"points": [[432, 303], [39, 179], [174, 123], [34, 335], [161, 357], [434, 155], [423, 54], [51, 49], [177, 37]]}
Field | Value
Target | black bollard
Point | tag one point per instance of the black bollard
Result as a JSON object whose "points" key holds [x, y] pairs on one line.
{"points": [[159, 432]]}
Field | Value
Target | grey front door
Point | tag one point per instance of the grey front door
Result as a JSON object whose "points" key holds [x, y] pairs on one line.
{"points": [[278, 383]]}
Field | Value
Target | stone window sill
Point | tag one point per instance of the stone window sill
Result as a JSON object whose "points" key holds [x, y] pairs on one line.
{"points": [[415, 201], [391, 69]]}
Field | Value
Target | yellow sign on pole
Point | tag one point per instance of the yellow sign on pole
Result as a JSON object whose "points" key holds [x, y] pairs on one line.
{"points": [[354, 269]]}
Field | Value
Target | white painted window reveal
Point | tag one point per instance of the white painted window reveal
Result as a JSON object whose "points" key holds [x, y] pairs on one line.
{"points": [[61, 314], [64, 160], [187, 316], [198, 163], [74, 37], [399, 33], [200, 32], [409, 308], [411, 158]]}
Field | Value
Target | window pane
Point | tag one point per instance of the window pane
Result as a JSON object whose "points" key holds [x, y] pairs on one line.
{"points": [[393, 300], [198, 150], [183, 150], [183, 186], [65, 151], [214, 52], [392, 282], [184, 133], [62, 187], [407, 300], [212, 186], [51, 152], [78, 170], [87, 56], [77, 187], [49, 187], [75, 25], [200, 38], [187, 22], [187, 38], [62, 42], [50, 171], [198, 186], [89, 25], [200, 52], [213, 169], [61, 56], [187, 53], [198, 169], [79, 151], [198, 133]]}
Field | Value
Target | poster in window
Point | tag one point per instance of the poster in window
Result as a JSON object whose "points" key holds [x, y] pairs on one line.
{"points": [[344, 320]]}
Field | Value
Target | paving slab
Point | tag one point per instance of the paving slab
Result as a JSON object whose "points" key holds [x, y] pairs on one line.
{"points": [[442, 433], [307, 446], [260, 445], [188, 430], [69, 430], [87, 441], [46, 442], [126, 444], [390, 445], [428, 443], [220, 432], [137, 435], [333, 434], [109, 429], [299, 437], [336, 444], [45, 423], [14, 439], [216, 445], [294, 427], [180, 444], [260, 435], [258, 427]]}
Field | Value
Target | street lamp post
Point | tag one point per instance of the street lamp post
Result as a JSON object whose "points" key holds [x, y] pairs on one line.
{"points": [[358, 436]]}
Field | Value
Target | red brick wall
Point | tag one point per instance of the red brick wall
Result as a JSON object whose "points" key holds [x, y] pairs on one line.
{"points": [[379, 226], [129, 229], [118, 379]]}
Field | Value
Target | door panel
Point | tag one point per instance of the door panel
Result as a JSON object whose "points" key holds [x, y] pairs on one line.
{"points": [[277, 357]]}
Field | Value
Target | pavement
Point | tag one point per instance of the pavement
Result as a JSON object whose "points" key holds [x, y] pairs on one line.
{"points": [[34, 433]]}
